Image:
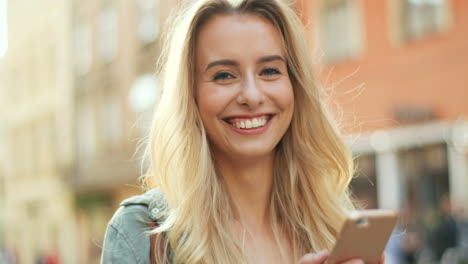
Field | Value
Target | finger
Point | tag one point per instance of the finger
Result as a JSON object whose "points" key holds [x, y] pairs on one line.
{"points": [[382, 259], [317, 258]]}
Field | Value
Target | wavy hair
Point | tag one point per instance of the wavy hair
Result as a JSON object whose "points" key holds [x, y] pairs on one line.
{"points": [[313, 166]]}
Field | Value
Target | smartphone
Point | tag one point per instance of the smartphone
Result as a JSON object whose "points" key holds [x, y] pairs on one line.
{"points": [[364, 235]]}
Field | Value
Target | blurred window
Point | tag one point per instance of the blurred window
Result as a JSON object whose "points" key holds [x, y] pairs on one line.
{"points": [[341, 29], [49, 73], [14, 85], [45, 145], [148, 20], [111, 115], [24, 83], [425, 174], [20, 149], [83, 48], [423, 17], [108, 33], [42, 147], [31, 77], [9, 93], [33, 145], [425, 181], [86, 131], [364, 184]]}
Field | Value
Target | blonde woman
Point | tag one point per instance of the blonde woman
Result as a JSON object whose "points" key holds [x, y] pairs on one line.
{"points": [[246, 164]]}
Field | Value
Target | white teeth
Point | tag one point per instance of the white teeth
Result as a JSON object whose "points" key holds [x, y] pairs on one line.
{"points": [[255, 122], [250, 123]]}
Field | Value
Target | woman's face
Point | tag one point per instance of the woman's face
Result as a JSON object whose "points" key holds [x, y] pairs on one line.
{"points": [[243, 90]]}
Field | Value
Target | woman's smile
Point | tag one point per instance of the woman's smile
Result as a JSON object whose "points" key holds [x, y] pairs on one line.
{"points": [[249, 125]]}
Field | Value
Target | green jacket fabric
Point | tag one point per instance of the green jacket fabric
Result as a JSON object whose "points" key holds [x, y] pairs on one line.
{"points": [[127, 239]]}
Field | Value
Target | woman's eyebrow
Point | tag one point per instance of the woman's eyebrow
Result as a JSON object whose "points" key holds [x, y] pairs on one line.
{"points": [[270, 58], [229, 62], [221, 62]]}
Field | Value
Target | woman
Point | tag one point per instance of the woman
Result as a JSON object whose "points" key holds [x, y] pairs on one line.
{"points": [[249, 167]]}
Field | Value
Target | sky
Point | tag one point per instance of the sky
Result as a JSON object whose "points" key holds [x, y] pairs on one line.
{"points": [[3, 28]]}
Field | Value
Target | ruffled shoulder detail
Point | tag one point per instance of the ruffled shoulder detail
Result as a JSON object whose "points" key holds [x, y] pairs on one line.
{"points": [[154, 200]]}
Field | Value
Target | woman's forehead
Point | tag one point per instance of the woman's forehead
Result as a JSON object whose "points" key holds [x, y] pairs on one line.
{"points": [[238, 35]]}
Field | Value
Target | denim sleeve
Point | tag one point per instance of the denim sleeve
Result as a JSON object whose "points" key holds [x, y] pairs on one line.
{"points": [[117, 248], [126, 240]]}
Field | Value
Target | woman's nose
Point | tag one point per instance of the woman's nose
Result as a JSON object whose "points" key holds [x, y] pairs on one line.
{"points": [[250, 95]]}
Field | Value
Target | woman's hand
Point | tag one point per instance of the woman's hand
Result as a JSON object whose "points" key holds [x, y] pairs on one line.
{"points": [[321, 257]]}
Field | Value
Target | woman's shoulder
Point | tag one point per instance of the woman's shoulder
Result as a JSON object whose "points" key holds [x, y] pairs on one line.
{"points": [[140, 210], [152, 205], [127, 237]]}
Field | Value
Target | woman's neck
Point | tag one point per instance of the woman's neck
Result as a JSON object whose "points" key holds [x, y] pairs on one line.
{"points": [[249, 184]]}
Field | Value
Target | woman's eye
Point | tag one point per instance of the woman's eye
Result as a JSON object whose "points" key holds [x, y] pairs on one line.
{"points": [[223, 76], [270, 71]]}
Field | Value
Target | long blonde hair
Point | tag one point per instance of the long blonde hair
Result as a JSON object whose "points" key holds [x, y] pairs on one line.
{"points": [[312, 168]]}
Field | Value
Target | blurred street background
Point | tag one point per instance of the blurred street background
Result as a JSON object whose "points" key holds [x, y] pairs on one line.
{"points": [[77, 89]]}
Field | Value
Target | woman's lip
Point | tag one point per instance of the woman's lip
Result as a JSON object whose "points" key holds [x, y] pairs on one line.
{"points": [[248, 116], [250, 131]]}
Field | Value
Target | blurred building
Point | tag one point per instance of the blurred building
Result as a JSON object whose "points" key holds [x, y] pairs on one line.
{"points": [[397, 73], [116, 46], [36, 111]]}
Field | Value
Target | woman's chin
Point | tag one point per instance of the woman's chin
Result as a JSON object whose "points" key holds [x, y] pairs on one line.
{"points": [[252, 153]]}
